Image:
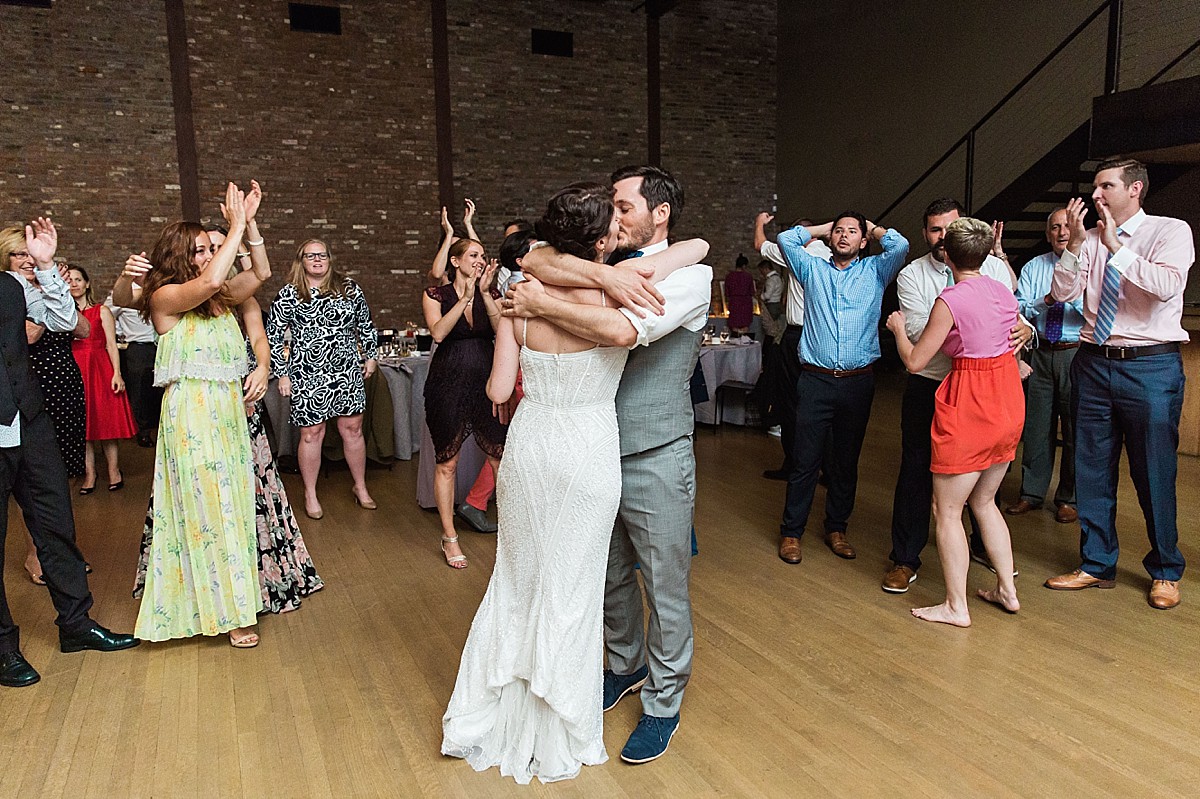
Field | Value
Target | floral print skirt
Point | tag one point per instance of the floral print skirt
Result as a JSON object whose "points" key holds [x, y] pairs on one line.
{"points": [[202, 572], [285, 569]]}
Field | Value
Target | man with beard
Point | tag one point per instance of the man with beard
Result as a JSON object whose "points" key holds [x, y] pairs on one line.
{"points": [[918, 287], [655, 418], [1049, 389], [839, 344]]}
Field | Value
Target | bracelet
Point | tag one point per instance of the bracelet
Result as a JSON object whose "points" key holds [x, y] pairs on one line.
{"points": [[254, 243], [244, 254]]}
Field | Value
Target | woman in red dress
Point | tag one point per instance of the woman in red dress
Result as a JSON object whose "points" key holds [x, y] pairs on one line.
{"points": [[978, 416], [739, 296], [109, 417]]}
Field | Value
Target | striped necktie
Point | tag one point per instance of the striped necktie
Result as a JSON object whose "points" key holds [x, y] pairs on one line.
{"points": [[1109, 293]]}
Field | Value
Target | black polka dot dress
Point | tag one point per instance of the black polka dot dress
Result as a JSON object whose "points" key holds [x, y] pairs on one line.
{"points": [[62, 384]]}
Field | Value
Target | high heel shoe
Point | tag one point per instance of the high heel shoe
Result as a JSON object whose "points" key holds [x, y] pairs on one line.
{"points": [[85, 490], [453, 561], [117, 486], [370, 504], [316, 515]]}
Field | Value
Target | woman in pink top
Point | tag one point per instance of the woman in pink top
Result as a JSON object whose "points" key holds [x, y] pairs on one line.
{"points": [[978, 417]]}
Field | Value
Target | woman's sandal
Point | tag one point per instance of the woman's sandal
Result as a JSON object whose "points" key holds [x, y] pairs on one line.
{"points": [[247, 641], [453, 561]]}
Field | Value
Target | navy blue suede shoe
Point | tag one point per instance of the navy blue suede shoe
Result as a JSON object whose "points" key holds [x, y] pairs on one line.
{"points": [[650, 739], [617, 686]]}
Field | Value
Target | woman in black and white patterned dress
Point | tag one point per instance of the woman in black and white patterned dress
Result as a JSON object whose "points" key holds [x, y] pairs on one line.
{"points": [[324, 365]]}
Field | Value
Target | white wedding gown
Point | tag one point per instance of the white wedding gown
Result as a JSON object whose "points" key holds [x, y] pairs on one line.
{"points": [[529, 687]]}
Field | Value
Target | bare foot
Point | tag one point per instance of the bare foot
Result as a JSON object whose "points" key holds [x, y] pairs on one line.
{"points": [[998, 597], [942, 613], [243, 638]]}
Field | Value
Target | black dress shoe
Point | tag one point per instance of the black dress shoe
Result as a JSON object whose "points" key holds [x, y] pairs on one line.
{"points": [[146, 441], [15, 671], [776, 474], [94, 637]]}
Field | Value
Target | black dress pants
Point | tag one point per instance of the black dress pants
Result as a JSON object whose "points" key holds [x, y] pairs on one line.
{"points": [[34, 474], [830, 412], [785, 394], [137, 367], [914, 485]]}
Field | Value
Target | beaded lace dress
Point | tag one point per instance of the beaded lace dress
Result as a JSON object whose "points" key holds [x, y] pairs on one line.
{"points": [[529, 686]]}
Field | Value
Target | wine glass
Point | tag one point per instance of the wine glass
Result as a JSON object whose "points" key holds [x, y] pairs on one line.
{"points": [[725, 336]]}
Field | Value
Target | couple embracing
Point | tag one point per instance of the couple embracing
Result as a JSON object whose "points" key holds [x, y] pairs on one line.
{"points": [[597, 479]]}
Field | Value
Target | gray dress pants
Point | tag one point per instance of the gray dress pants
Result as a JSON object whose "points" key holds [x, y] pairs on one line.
{"points": [[653, 529]]}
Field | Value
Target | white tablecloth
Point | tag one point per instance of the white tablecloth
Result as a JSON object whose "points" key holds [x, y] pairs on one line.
{"points": [[722, 362]]}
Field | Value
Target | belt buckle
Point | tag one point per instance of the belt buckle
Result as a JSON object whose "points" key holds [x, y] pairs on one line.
{"points": [[1114, 353], [839, 373]]}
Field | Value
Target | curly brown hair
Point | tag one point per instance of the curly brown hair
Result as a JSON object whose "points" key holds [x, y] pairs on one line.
{"points": [[173, 259]]}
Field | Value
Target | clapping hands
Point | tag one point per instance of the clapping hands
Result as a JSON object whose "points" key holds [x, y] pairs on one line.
{"points": [[41, 242]]}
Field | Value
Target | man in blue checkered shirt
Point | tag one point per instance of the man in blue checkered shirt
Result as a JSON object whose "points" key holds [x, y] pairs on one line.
{"points": [[838, 346]]}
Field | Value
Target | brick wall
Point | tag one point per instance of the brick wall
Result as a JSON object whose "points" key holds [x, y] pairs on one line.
{"points": [[87, 131], [718, 120], [340, 129]]}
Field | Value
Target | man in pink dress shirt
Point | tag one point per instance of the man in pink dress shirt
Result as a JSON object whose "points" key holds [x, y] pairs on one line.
{"points": [[1127, 379]]}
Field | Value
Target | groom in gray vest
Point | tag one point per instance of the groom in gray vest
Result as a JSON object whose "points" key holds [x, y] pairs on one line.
{"points": [[658, 468]]}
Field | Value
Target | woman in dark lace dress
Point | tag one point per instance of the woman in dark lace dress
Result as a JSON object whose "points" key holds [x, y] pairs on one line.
{"points": [[460, 315]]}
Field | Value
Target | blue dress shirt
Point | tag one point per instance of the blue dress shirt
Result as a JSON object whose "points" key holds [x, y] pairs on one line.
{"points": [[1033, 285], [842, 306]]}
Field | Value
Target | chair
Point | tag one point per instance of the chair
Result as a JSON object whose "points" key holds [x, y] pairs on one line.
{"points": [[722, 390]]}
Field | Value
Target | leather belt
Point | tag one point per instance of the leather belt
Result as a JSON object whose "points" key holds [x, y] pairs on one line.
{"points": [[1063, 345], [1127, 353], [808, 367], [794, 327]]}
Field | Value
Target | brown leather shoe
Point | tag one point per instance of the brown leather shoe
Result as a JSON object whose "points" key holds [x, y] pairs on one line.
{"points": [[840, 546], [1066, 514], [898, 578], [1024, 506], [1164, 594], [789, 549], [1078, 580]]}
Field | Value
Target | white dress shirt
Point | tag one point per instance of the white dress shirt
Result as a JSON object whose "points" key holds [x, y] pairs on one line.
{"points": [[687, 294], [918, 287], [129, 324], [795, 292]]}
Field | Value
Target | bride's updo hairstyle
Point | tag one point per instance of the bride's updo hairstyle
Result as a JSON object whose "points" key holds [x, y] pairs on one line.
{"points": [[576, 218]]}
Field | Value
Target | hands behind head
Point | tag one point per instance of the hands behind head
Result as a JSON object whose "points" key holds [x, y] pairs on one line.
{"points": [[41, 241]]}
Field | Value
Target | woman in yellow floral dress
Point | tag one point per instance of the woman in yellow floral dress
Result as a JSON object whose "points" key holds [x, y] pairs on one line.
{"points": [[203, 576]]}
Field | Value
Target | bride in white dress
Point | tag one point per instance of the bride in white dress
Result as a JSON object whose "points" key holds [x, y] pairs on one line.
{"points": [[528, 693]]}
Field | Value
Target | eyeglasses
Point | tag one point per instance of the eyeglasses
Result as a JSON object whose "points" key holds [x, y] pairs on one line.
{"points": [[19, 255], [316, 256]]}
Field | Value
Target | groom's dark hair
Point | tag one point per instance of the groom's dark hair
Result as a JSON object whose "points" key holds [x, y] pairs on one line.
{"points": [[658, 186], [576, 218]]}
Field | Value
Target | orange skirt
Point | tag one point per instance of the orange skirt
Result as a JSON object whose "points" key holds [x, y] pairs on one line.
{"points": [[978, 415]]}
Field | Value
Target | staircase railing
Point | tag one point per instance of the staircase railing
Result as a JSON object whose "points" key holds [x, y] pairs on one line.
{"points": [[1072, 62]]}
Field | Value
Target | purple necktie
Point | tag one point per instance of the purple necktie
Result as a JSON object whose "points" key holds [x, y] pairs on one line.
{"points": [[1054, 323]]}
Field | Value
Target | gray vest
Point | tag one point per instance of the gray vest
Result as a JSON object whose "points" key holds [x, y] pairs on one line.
{"points": [[654, 402]]}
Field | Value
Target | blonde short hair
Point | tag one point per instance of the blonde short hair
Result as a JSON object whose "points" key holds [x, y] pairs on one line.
{"points": [[968, 242]]}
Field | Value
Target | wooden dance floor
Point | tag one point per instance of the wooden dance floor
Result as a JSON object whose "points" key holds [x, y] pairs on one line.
{"points": [[809, 680]]}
